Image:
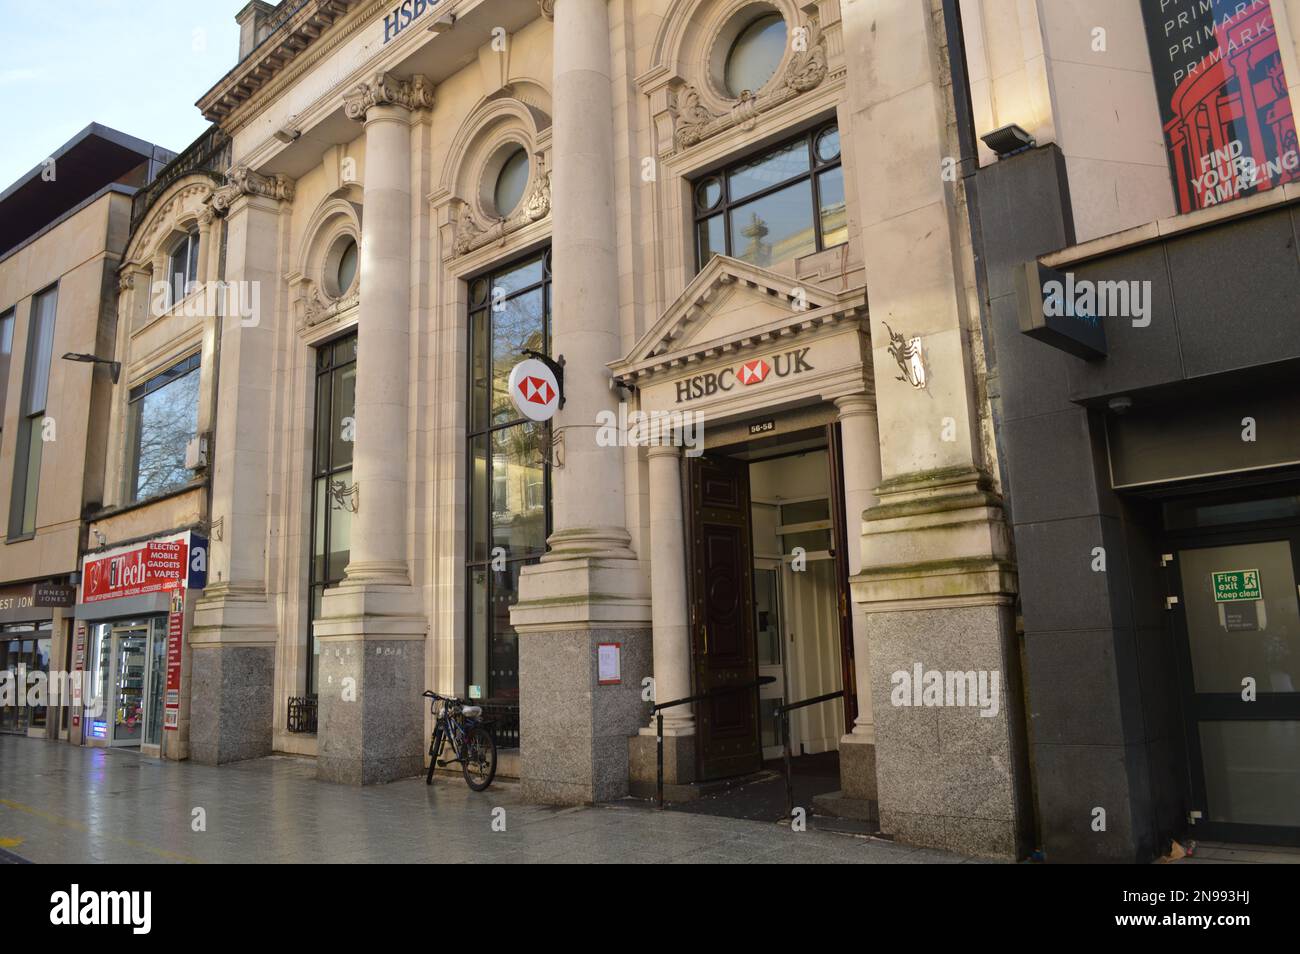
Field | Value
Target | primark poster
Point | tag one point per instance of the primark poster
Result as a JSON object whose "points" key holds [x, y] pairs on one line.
{"points": [[1227, 117]]}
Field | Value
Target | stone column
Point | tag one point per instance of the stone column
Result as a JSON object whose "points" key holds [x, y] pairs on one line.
{"points": [[234, 629], [589, 589], [936, 583], [372, 628], [671, 627], [860, 446]]}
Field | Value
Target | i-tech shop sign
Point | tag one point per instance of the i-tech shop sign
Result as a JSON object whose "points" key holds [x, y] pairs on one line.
{"points": [[744, 375]]}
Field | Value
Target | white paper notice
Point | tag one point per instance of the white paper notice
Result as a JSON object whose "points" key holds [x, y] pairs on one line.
{"points": [[608, 664]]}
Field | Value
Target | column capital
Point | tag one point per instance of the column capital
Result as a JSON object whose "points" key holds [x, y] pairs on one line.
{"points": [[852, 405], [385, 89], [547, 8], [242, 181]]}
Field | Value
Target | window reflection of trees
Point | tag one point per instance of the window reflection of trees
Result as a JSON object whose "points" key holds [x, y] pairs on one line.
{"points": [[167, 420]]}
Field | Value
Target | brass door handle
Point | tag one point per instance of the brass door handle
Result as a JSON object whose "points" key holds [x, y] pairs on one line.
{"points": [[706, 639]]}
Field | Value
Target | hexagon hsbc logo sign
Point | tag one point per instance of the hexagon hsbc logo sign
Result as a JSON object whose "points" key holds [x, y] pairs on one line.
{"points": [[748, 374], [753, 372], [534, 391]]}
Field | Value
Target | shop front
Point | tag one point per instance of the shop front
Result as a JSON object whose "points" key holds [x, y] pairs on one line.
{"points": [[27, 646], [129, 646]]}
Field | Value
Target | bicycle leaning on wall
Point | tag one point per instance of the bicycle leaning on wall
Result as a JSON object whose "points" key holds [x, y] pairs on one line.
{"points": [[472, 743]]}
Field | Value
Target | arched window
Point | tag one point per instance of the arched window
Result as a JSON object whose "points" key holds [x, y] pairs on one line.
{"points": [[183, 266]]}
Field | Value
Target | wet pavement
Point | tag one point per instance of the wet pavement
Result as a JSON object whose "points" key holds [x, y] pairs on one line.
{"points": [[60, 803]]}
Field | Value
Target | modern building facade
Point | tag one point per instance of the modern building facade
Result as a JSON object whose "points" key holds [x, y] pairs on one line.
{"points": [[802, 434], [63, 228]]}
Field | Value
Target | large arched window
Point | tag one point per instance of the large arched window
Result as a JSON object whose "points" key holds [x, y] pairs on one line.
{"points": [[509, 479]]}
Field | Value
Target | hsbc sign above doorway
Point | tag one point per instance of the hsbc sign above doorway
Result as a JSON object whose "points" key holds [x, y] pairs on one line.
{"points": [[534, 390], [747, 374]]}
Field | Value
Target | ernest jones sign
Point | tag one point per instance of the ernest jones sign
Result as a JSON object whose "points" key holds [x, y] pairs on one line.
{"points": [[1223, 98]]}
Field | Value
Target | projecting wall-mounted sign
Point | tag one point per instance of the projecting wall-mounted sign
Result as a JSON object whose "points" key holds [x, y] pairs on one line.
{"points": [[1052, 312]]}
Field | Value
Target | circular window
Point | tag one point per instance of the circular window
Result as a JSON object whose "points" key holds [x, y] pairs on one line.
{"points": [[511, 181], [828, 144], [347, 268], [708, 193], [755, 54]]}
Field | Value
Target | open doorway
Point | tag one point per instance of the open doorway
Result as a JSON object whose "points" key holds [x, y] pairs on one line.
{"points": [[768, 589]]}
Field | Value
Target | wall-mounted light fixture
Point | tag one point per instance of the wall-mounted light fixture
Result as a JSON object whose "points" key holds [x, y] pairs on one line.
{"points": [[1009, 140], [114, 367]]}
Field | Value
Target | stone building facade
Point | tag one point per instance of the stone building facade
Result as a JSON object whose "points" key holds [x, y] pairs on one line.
{"points": [[767, 231]]}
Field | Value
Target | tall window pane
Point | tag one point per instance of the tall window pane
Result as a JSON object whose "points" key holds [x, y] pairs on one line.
{"points": [[36, 383], [165, 418], [331, 542], [508, 496]]}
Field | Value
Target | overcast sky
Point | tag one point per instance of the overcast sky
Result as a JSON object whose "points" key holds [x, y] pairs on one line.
{"points": [[135, 65]]}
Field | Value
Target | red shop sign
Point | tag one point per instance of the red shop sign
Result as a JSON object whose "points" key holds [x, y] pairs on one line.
{"points": [[154, 567]]}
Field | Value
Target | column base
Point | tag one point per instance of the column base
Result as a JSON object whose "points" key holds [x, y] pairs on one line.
{"points": [[642, 755], [232, 672], [370, 722], [231, 702], [858, 769], [938, 588]]}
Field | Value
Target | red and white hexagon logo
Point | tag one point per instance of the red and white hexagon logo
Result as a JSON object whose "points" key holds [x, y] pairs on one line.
{"points": [[754, 372], [534, 390]]}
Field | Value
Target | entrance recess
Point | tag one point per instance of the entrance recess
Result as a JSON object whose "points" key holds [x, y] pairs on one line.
{"points": [[127, 679], [1238, 627], [768, 599]]}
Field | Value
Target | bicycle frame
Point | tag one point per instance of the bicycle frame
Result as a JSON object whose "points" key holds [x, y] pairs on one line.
{"points": [[449, 727]]}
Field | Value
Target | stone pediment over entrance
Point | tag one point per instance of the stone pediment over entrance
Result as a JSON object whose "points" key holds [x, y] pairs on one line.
{"points": [[732, 307], [741, 339]]}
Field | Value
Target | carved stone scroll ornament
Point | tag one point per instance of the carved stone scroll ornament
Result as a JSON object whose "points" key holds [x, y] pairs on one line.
{"points": [[317, 309], [807, 68], [547, 9], [388, 90], [471, 234], [241, 181]]}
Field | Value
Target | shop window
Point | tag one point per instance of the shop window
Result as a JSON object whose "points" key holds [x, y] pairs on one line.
{"points": [[784, 203], [755, 54], [331, 535], [183, 266], [164, 417], [24, 652], [32, 432], [509, 480]]}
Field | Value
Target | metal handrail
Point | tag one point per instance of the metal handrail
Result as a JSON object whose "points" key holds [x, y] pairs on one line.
{"points": [[658, 710], [784, 712]]}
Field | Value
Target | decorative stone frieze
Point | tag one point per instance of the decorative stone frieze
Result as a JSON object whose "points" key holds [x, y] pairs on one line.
{"points": [[319, 309], [388, 90], [241, 181], [696, 121], [471, 234]]}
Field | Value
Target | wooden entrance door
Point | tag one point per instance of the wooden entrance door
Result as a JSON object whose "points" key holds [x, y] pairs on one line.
{"points": [[722, 618]]}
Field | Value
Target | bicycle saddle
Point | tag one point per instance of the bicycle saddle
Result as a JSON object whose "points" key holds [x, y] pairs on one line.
{"points": [[472, 712]]}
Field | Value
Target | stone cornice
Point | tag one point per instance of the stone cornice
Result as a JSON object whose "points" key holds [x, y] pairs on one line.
{"points": [[386, 89], [241, 181]]}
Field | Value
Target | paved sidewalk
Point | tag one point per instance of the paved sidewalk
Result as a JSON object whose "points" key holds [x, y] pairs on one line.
{"points": [[60, 803]]}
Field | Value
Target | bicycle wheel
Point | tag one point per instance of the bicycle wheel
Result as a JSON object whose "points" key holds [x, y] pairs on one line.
{"points": [[480, 764]]}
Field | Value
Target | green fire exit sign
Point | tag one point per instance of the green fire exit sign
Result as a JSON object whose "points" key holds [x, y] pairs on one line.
{"points": [[1236, 586]]}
